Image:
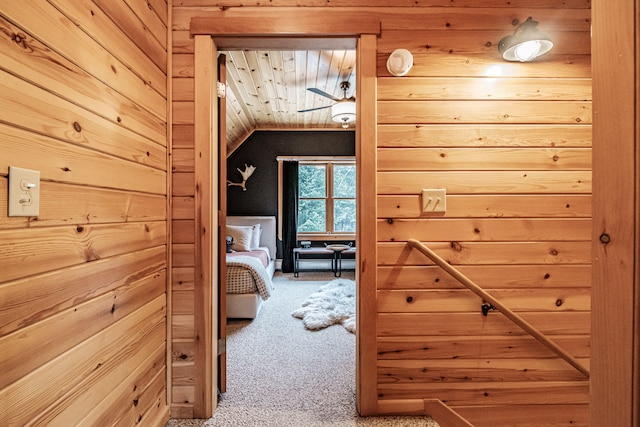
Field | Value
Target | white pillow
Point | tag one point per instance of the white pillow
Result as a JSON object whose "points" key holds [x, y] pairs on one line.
{"points": [[255, 237], [241, 237]]}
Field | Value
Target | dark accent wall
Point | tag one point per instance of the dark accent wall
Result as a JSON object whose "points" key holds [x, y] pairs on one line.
{"points": [[261, 150]]}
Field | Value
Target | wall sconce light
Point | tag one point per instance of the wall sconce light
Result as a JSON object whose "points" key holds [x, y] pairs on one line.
{"points": [[526, 43], [344, 112]]}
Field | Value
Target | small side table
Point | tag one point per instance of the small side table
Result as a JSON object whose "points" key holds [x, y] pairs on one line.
{"points": [[310, 251], [336, 262]]}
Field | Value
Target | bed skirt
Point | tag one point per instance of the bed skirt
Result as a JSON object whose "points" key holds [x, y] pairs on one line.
{"points": [[243, 306]]}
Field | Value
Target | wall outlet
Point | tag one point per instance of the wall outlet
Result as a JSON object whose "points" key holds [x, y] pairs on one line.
{"points": [[24, 192], [434, 200]]}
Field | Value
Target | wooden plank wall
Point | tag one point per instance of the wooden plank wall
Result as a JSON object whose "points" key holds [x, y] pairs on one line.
{"points": [[183, 250], [511, 143], [83, 287]]}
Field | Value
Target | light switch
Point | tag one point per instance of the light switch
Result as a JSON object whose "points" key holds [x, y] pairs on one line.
{"points": [[24, 192], [434, 200]]}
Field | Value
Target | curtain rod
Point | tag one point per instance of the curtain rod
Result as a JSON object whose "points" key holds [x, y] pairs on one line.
{"points": [[315, 158]]}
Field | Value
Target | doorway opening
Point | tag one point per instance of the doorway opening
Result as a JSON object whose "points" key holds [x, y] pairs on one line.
{"points": [[211, 35], [272, 96]]}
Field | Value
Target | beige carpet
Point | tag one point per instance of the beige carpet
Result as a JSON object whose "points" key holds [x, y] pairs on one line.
{"points": [[281, 374]]}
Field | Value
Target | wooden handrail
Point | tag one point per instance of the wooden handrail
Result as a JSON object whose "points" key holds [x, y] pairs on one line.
{"points": [[469, 284], [443, 414]]}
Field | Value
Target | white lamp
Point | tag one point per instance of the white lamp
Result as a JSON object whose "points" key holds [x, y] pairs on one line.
{"points": [[526, 43], [344, 112]]}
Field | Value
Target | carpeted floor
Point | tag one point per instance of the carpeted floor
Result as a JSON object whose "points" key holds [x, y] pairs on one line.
{"points": [[281, 374]]}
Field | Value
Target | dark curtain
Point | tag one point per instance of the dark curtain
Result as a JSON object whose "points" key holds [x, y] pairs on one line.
{"points": [[289, 214]]}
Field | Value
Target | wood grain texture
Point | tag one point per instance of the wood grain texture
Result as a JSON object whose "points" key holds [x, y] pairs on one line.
{"points": [[486, 182], [134, 32], [205, 250], [505, 112], [453, 301], [482, 370], [616, 338], [366, 236], [43, 345], [411, 159], [484, 135], [511, 4], [264, 91], [469, 347], [48, 68], [100, 61], [474, 324], [527, 415], [39, 111], [183, 184], [511, 143], [507, 276], [443, 40], [440, 64], [488, 253], [28, 397], [288, 23], [69, 408], [506, 394], [490, 88], [182, 207], [83, 329], [485, 230], [64, 204], [67, 246], [490, 206], [27, 301]]}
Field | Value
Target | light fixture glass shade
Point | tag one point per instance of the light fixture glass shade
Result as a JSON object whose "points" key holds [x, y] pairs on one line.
{"points": [[344, 112], [526, 43]]}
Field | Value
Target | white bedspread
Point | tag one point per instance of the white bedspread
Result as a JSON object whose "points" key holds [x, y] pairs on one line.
{"points": [[246, 274]]}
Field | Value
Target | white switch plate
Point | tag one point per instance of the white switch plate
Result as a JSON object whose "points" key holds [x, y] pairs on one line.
{"points": [[24, 192], [434, 200]]}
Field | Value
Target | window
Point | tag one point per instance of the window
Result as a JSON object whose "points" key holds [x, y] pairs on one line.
{"points": [[327, 198]]}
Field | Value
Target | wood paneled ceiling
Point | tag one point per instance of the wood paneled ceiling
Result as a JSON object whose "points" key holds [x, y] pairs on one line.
{"points": [[266, 89]]}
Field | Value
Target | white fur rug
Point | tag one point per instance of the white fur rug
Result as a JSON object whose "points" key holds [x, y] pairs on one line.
{"points": [[334, 303]]}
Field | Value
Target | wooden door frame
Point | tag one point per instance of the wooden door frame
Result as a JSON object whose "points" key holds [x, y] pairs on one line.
{"points": [[615, 296], [222, 231], [206, 233], [292, 30]]}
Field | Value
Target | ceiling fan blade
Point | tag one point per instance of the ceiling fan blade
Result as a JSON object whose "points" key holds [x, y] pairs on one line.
{"points": [[322, 93], [314, 109]]}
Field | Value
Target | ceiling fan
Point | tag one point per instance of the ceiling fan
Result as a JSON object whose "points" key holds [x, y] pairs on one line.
{"points": [[343, 111]]}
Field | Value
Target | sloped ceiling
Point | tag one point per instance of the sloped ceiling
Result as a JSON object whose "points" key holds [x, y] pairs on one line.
{"points": [[266, 89]]}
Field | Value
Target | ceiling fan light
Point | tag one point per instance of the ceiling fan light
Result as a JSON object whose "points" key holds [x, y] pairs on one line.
{"points": [[526, 43], [343, 112]]}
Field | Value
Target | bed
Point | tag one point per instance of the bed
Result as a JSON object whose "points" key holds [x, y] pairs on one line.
{"points": [[250, 265]]}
